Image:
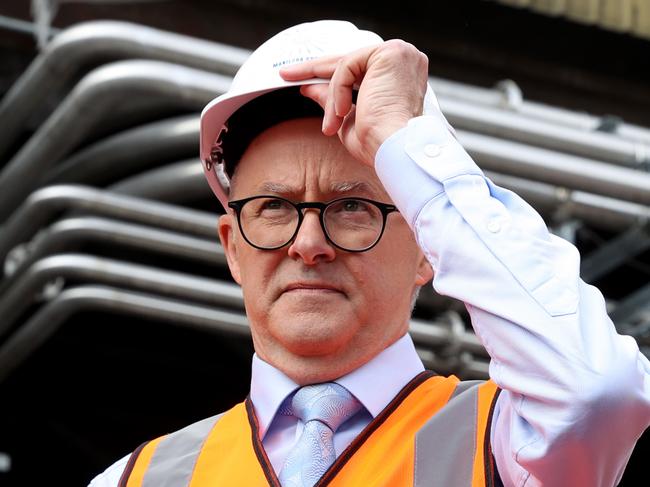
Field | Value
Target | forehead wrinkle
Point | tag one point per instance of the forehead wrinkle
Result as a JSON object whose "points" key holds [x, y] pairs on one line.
{"points": [[308, 165]]}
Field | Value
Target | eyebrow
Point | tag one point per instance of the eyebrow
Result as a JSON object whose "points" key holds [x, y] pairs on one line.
{"points": [[341, 187], [278, 188], [350, 186]]}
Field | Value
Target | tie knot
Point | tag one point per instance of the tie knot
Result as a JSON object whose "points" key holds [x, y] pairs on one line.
{"points": [[328, 403]]}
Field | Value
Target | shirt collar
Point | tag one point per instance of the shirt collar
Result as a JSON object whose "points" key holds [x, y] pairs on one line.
{"points": [[374, 384], [269, 387], [378, 381]]}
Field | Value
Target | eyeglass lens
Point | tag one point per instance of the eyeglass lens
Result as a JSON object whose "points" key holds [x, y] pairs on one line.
{"points": [[350, 223]]}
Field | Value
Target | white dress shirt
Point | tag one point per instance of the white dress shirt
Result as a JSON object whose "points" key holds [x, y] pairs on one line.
{"points": [[374, 384], [576, 395]]}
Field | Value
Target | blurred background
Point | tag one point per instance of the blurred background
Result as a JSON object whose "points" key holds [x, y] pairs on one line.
{"points": [[119, 321]]}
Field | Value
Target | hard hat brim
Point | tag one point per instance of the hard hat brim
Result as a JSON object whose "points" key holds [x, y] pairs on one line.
{"points": [[213, 118]]}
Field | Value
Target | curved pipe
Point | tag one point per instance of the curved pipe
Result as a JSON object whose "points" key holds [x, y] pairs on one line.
{"points": [[22, 290], [174, 182], [601, 211], [630, 308], [556, 168], [49, 318], [444, 335], [514, 126], [180, 182], [128, 152], [44, 205], [176, 285], [92, 100], [71, 231], [498, 97], [91, 42]]}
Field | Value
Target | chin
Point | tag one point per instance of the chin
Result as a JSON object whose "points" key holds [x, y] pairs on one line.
{"points": [[319, 345], [312, 336], [305, 369]]}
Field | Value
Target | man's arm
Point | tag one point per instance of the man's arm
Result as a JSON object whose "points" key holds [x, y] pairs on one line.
{"points": [[576, 394]]}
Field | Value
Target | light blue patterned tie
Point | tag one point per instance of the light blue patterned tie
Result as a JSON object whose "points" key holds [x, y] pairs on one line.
{"points": [[322, 408]]}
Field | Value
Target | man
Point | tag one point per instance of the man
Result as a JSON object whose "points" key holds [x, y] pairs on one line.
{"points": [[329, 271]]}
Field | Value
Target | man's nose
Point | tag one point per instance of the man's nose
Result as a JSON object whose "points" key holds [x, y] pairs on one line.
{"points": [[310, 244]]}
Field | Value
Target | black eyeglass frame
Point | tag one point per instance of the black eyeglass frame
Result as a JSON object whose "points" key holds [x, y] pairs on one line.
{"points": [[384, 208]]}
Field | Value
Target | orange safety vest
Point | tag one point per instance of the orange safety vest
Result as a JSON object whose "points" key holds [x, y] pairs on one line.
{"points": [[434, 432]]}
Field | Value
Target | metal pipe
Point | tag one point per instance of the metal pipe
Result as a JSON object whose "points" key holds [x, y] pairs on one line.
{"points": [[64, 234], [44, 205], [562, 203], [627, 309], [601, 211], [556, 168], [22, 289], [499, 97], [614, 253], [89, 43], [80, 44], [22, 26], [48, 319], [174, 183], [128, 152], [94, 41], [466, 367], [445, 335], [92, 100], [514, 126]]}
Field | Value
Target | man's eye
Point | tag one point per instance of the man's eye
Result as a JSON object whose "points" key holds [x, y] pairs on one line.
{"points": [[274, 205], [353, 205], [274, 208]]}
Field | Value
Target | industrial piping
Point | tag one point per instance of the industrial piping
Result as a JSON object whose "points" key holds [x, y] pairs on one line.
{"points": [[92, 100]]}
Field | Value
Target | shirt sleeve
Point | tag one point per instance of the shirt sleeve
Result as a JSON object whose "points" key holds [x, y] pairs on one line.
{"points": [[111, 476], [576, 395]]}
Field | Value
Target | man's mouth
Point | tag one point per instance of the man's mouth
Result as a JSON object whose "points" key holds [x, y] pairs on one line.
{"points": [[311, 287]]}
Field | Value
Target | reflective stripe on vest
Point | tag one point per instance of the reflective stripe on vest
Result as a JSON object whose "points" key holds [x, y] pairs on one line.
{"points": [[435, 432]]}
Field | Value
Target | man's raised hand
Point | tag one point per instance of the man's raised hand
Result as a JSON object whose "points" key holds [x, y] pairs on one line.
{"points": [[392, 81]]}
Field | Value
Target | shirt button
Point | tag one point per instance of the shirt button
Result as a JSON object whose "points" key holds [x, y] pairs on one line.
{"points": [[494, 226], [432, 150]]}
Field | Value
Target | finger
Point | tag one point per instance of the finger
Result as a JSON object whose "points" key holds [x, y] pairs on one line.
{"points": [[316, 68], [331, 122], [348, 73], [349, 70], [347, 134], [320, 94], [316, 92]]}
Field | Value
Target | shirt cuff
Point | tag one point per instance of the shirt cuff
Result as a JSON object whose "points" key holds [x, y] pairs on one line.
{"points": [[414, 163]]}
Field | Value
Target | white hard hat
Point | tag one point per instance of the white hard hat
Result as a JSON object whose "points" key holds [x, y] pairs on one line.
{"points": [[260, 74]]}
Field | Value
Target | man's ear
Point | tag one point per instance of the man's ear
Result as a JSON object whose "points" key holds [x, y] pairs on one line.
{"points": [[424, 271], [228, 237]]}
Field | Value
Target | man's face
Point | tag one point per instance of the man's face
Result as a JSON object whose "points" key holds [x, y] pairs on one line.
{"points": [[317, 312]]}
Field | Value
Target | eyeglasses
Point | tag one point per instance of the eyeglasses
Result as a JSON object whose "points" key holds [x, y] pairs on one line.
{"points": [[351, 224]]}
